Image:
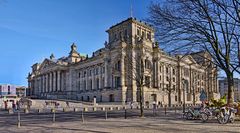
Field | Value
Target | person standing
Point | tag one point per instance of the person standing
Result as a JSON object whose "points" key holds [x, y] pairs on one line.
{"points": [[6, 105], [18, 105], [154, 108], [13, 105]]}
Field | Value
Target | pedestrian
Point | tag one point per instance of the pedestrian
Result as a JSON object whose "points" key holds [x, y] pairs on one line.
{"points": [[154, 108], [18, 105], [13, 105], [6, 105]]}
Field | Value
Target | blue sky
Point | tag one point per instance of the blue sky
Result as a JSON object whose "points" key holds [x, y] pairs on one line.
{"points": [[30, 30]]}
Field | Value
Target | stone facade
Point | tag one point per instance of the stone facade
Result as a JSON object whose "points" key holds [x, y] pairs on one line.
{"points": [[223, 87], [130, 58]]}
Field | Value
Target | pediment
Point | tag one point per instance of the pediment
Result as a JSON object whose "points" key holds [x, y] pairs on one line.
{"points": [[188, 59], [47, 64]]}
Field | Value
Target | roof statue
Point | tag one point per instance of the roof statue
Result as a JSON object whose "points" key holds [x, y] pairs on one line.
{"points": [[73, 52], [52, 56]]}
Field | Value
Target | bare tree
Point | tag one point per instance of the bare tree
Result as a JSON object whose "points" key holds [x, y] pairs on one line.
{"points": [[232, 9], [170, 88], [194, 25], [138, 72]]}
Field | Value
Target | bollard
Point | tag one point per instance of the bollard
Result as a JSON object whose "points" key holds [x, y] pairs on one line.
{"points": [[106, 114], [82, 117], [165, 109], [54, 115], [19, 122], [10, 111], [26, 111]]}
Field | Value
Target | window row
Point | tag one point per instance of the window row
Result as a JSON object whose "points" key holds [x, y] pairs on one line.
{"points": [[91, 72]]}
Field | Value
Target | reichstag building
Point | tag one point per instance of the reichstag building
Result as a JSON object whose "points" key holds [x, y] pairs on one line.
{"points": [[115, 73]]}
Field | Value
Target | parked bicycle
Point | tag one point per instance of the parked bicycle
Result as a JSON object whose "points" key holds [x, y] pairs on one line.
{"points": [[223, 114], [194, 113]]}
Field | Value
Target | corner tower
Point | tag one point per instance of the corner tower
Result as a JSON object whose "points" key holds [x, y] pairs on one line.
{"points": [[131, 31]]}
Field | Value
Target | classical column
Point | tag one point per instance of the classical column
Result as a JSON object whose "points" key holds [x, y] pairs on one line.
{"points": [[58, 81], [40, 85], [47, 85], [100, 81], [43, 83], [62, 81], [106, 76], [122, 72], [50, 82], [157, 73], [54, 81]]}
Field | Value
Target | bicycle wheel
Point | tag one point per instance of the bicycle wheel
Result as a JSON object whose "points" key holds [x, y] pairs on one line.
{"points": [[184, 116], [204, 117], [189, 116], [222, 119]]}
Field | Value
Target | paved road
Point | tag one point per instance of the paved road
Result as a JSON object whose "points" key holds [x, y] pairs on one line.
{"points": [[95, 122]]}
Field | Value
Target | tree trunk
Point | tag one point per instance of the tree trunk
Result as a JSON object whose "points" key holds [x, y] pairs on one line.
{"points": [[141, 102], [230, 80], [194, 95], [169, 99]]}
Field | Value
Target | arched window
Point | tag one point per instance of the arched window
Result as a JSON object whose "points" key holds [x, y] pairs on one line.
{"points": [[88, 98], [90, 83], [97, 83], [82, 98], [118, 65]]}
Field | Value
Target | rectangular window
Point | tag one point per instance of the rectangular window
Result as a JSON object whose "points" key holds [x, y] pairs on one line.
{"points": [[85, 73], [118, 66], [138, 32], [149, 35], [103, 70], [96, 71], [125, 33], [174, 71], [143, 34], [79, 75], [97, 84], [117, 82], [90, 72], [9, 90]]}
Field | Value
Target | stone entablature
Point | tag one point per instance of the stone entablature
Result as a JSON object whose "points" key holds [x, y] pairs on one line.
{"points": [[109, 73]]}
